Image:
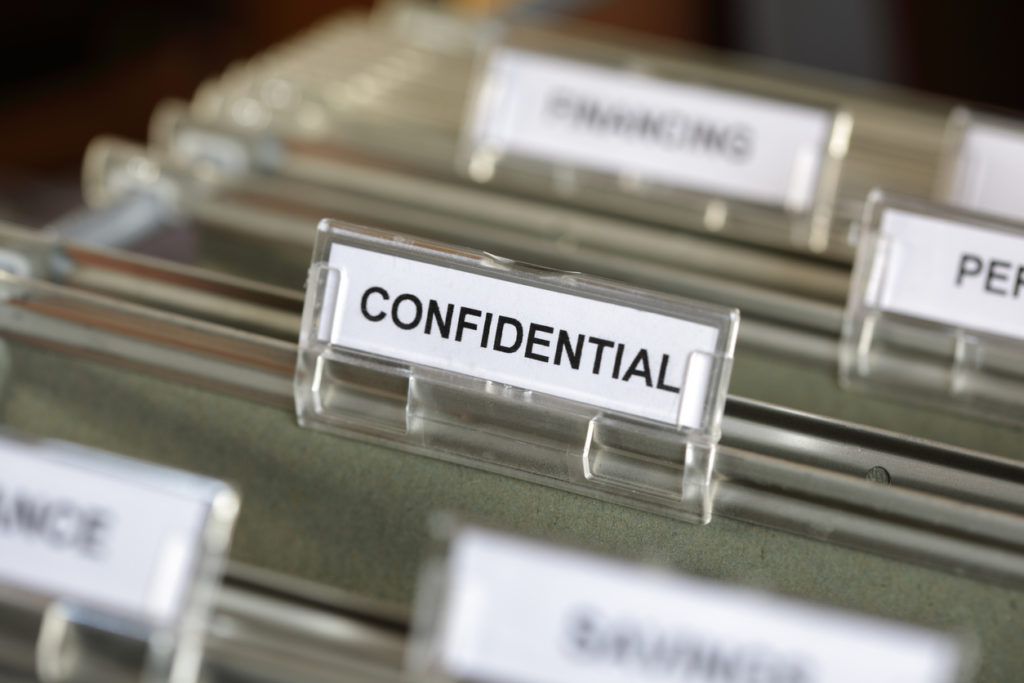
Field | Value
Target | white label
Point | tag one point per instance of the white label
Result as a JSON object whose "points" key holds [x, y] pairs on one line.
{"points": [[517, 611], [690, 136], [115, 541], [948, 272], [594, 352], [988, 170]]}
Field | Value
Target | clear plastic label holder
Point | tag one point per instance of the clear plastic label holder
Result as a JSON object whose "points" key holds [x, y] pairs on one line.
{"points": [[982, 158], [108, 566], [596, 126], [495, 607], [579, 383], [934, 313]]}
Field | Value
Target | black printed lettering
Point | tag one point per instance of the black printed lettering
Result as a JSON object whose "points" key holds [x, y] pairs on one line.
{"points": [[639, 366], [970, 265], [993, 275], [417, 307], [499, 332], [464, 323], [618, 360], [533, 340], [30, 515], [373, 317], [573, 353], [990, 276], [647, 650], [600, 346], [571, 350], [742, 143], [487, 331], [661, 375], [671, 130], [60, 524], [91, 530], [444, 325]]}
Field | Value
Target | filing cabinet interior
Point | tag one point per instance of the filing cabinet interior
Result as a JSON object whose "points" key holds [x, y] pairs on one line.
{"points": [[354, 515]]}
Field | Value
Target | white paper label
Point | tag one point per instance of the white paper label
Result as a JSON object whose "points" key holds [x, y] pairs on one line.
{"points": [[988, 170], [948, 272], [594, 352], [116, 541], [690, 136], [517, 611]]}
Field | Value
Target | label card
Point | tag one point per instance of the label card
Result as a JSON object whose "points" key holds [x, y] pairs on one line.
{"points": [[117, 535], [499, 326], [984, 175], [700, 138], [519, 611], [949, 271]]}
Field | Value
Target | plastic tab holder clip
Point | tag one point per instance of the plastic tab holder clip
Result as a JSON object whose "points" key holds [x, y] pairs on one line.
{"points": [[583, 384], [715, 153], [108, 566], [935, 308]]}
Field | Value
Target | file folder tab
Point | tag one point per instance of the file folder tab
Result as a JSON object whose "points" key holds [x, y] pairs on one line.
{"points": [[719, 142], [935, 307], [575, 125], [506, 609], [111, 551], [983, 159], [510, 365]]}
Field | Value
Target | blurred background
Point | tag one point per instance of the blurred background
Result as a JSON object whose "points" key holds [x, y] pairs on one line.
{"points": [[72, 69]]}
